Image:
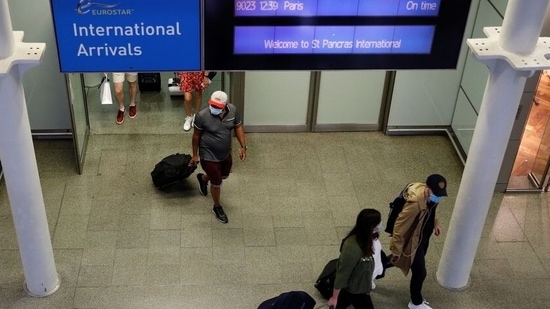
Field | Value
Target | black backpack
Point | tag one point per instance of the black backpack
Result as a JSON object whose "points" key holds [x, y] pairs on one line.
{"points": [[396, 206], [171, 170], [289, 300], [325, 282]]}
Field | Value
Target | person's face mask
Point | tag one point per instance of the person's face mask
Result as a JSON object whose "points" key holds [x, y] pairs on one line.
{"points": [[434, 198], [378, 228], [215, 111]]}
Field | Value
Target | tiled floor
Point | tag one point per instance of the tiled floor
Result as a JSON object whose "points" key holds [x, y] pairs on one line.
{"points": [[120, 243]]}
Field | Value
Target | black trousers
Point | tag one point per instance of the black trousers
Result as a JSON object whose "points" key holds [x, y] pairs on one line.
{"points": [[359, 301], [418, 270]]}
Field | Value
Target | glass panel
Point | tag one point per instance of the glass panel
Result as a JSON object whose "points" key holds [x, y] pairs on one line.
{"points": [[217, 84], [360, 91], [79, 113], [539, 118], [533, 152], [464, 121], [276, 98]]}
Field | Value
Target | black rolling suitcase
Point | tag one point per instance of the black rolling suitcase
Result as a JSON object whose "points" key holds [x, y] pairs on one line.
{"points": [[289, 300], [171, 170], [149, 82]]}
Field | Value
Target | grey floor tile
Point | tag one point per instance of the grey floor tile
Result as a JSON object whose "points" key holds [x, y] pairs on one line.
{"points": [[163, 274], [196, 237], [71, 232], [134, 275], [98, 256], [259, 237], [95, 275], [163, 256], [203, 273]]}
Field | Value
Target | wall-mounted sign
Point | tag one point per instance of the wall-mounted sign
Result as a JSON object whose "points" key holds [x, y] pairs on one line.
{"points": [[333, 34], [127, 36]]}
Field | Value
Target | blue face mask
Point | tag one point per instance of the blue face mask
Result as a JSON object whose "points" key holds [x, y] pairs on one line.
{"points": [[215, 111], [378, 228], [434, 198]]}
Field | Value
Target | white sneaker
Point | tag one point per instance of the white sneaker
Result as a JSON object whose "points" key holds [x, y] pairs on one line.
{"points": [[373, 285], [423, 305], [187, 123]]}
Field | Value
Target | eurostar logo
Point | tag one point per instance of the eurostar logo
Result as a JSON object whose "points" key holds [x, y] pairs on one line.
{"points": [[85, 6]]}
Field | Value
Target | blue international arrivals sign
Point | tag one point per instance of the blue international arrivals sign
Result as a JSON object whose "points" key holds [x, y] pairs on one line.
{"points": [[127, 35]]}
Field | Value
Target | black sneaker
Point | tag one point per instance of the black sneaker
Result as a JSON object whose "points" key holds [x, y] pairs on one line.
{"points": [[220, 214], [203, 185]]}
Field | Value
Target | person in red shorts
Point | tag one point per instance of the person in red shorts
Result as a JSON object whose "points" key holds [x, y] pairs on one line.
{"points": [[193, 82]]}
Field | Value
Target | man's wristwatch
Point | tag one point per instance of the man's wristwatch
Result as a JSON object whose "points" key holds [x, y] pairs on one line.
{"points": [[244, 147]]}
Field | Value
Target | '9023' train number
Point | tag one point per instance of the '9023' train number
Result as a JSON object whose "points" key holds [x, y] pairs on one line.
{"points": [[245, 5]]}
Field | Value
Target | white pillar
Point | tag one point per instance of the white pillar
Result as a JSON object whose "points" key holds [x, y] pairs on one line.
{"points": [[6, 35], [19, 162], [519, 35]]}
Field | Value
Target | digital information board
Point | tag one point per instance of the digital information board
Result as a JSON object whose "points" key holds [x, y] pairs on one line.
{"points": [[337, 8], [330, 34], [127, 36]]}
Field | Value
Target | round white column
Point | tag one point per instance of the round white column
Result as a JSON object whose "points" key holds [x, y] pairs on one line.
{"points": [[19, 162], [6, 33], [519, 35]]}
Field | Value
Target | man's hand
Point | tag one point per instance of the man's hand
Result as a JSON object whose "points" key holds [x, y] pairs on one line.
{"points": [[437, 230], [332, 302], [242, 154], [194, 160], [394, 258]]}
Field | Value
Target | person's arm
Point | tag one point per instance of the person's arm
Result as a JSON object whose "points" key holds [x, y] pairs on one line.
{"points": [[210, 74], [195, 140], [207, 78], [333, 300], [239, 133], [437, 227]]}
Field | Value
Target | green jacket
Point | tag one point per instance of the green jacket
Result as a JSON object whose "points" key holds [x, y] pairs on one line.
{"points": [[354, 272]]}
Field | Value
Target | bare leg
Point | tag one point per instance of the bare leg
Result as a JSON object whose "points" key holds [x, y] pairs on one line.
{"points": [[133, 92], [119, 94], [215, 192], [187, 103], [198, 101]]}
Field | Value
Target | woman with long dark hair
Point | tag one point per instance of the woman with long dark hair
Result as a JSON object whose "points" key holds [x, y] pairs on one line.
{"points": [[356, 263]]}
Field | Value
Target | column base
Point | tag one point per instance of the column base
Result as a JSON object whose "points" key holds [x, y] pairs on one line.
{"points": [[452, 289], [46, 293]]}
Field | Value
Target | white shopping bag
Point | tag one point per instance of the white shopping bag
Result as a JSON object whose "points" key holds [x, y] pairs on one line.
{"points": [[105, 91]]}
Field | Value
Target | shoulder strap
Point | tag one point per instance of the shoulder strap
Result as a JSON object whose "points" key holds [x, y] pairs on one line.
{"points": [[401, 194]]}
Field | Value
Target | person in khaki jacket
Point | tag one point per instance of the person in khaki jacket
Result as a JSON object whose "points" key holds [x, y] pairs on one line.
{"points": [[412, 230]]}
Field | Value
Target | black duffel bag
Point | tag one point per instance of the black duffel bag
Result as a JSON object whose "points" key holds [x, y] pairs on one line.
{"points": [[171, 170]]}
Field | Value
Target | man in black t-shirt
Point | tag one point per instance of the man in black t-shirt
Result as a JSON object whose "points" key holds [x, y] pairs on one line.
{"points": [[212, 141]]}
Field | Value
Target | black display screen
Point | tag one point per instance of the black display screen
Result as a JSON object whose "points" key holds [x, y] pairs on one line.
{"points": [[333, 34]]}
